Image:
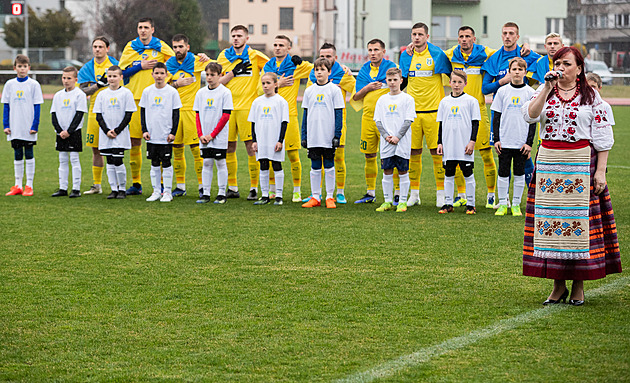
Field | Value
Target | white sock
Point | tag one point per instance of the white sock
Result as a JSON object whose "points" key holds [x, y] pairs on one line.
{"points": [[30, 171], [167, 175], [414, 193], [449, 189], [111, 177], [18, 167], [371, 192], [156, 177], [297, 189], [207, 174], [405, 183], [388, 187], [316, 183], [272, 188], [76, 170], [503, 184], [330, 182], [264, 183], [340, 191], [519, 186], [470, 190], [222, 176], [279, 182], [182, 186], [64, 170], [121, 176]]}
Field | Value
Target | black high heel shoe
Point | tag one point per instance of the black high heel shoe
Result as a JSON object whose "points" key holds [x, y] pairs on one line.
{"points": [[576, 302], [562, 298]]}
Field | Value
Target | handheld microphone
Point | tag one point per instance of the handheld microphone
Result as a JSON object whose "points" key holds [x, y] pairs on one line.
{"points": [[553, 75]]}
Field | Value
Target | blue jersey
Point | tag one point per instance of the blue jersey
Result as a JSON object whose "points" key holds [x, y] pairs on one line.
{"points": [[496, 67]]}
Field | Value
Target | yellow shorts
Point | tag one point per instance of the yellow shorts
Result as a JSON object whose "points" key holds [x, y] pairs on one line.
{"points": [[425, 126], [483, 136], [91, 135], [135, 127], [187, 128], [239, 126], [370, 136], [292, 138]]}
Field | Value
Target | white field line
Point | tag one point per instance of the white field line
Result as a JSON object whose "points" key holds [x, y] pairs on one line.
{"points": [[619, 167], [424, 355]]}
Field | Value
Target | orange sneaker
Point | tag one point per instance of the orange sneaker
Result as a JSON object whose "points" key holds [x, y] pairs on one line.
{"points": [[330, 203], [28, 191], [312, 203], [15, 190]]}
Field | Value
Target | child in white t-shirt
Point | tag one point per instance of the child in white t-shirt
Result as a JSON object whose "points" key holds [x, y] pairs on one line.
{"points": [[322, 123], [114, 107], [22, 98], [213, 105], [394, 114], [458, 115], [159, 117], [269, 116], [513, 136], [67, 110], [595, 82]]}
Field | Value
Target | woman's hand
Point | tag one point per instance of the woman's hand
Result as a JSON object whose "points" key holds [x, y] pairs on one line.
{"points": [[599, 181]]}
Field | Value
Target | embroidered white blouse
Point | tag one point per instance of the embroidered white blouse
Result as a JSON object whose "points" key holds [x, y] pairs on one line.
{"points": [[571, 122]]}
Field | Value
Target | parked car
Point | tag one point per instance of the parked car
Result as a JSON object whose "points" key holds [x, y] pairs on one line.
{"points": [[60, 64], [600, 68]]}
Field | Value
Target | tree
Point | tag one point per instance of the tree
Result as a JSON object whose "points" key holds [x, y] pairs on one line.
{"points": [[119, 18], [53, 29]]}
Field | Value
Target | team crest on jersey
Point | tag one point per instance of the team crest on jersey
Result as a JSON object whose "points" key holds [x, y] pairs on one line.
{"points": [[66, 102], [181, 75], [157, 100], [392, 108], [455, 110], [144, 56], [19, 93], [209, 102], [516, 101], [429, 61], [154, 53], [320, 98], [113, 101], [266, 110], [418, 66]]}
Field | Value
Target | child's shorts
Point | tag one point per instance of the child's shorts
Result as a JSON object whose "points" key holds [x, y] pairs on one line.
{"points": [[215, 154], [319, 153], [402, 164], [16, 144], [451, 166], [159, 151], [113, 152], [74, 143]]}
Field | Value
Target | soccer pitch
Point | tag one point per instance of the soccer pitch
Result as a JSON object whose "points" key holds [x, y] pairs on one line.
{"points": [[126, 290]]}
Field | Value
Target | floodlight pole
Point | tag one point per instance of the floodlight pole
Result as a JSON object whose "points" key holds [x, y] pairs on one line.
{"points": [[25, 10]]}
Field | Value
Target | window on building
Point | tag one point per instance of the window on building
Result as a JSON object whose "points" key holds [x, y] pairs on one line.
{"points": [[444, 30], [225, 31], [557, 25], [591, 21], [250, 27], [485, 25], [603, 21], [264, 29], [400, 10], [622, 20], [398, 38], [286, 18]]}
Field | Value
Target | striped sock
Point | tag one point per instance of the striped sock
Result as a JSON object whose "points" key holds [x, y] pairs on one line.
{"points": [[415, 170], [438, 172], [371, 170], [296, 167], [340, 168], [135, 163], [196, 152], [254, 171], [489, 169], [232, 165], [179, 165]]}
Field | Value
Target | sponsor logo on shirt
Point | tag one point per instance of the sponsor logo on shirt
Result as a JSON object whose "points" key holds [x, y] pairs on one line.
{"points": [[266, 113], [455, 114], [144, 56], [454, 109], [516, 102], [392, 109], [209, 103], [320, 98], [157, 100], [19, 94], [418, 65], [66, 102], [113, 103]]}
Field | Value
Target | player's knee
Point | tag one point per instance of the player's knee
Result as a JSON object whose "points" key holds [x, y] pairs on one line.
{"points": [[166, 162], [316, 164], [264, 164], [277, 166], [28, 152], [18, 154], [329, 163]]}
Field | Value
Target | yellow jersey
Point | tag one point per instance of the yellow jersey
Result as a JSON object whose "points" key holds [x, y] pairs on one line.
{"points": [[472, 67], [243, 87], [142, 79]]}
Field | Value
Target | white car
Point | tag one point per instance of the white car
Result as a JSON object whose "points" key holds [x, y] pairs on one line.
{"points": [[600, 68]]}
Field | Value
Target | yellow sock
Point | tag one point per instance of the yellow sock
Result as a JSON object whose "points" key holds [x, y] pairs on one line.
{"points": [[340, 167], [296, 167], [460, 182], [396, 180], [371, 170], [254, 171], [196, 152], [179, 165], [489, 169], [97, 174], [272, 176], [438, 172], [135, 163], [415, 170], [232, 165]]}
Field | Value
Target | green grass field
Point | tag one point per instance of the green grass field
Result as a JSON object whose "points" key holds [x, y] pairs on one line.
{"points": [[99, 290]]}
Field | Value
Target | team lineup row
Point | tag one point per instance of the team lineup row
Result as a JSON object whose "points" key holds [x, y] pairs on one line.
{"points": [[238, 73]]}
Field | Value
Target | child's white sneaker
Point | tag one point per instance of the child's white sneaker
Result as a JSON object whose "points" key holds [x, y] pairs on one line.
{"points": [[153, 197], [166, 197]]}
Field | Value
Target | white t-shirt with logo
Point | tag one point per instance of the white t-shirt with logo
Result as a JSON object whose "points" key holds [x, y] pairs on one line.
{"points": [[456, 115], [67, 104], [268, 113], [210, 103], [113, 104], [513, 128], [158, 107], [21, 97], [321, 102], [391, 112]]}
